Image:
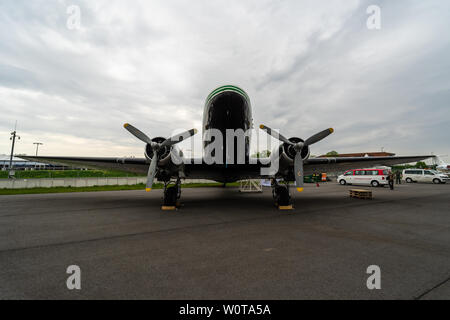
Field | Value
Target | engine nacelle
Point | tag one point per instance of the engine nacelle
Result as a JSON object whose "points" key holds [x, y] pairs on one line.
{"points": [[289, 152], [286, 153], [163, 152]]}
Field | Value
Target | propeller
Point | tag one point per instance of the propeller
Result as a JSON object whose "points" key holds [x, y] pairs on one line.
{"points": [[298, 147], [156, 147]]}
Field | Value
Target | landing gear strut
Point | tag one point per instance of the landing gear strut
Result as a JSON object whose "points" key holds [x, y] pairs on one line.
{"points": [[281, 194], [172, 193]]}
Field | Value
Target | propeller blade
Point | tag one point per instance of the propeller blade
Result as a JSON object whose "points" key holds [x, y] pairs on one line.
{"points": [[298, 171], [178, 138], [275, 134], [137, 133], [318, 136], [151, 172]]}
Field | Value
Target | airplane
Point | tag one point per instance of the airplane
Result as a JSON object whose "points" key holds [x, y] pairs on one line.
{"points": [[227, 108], [440, 164]]}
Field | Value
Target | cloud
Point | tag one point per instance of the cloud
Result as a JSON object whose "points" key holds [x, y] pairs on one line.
{"points": [[306, 66]]}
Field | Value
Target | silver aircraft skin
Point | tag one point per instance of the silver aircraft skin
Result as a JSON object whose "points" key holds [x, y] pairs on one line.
{"points": [[440, 164], [227, 107]]}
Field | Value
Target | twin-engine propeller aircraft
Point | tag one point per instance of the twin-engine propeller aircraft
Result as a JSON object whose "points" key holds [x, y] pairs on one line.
{"points": [[227, 109]]}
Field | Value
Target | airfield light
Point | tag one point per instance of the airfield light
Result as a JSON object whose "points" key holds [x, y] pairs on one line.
{"points": [[37, 146]]}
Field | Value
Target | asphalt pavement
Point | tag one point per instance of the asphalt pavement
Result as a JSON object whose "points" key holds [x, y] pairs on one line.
{"points": [[223, 244]]}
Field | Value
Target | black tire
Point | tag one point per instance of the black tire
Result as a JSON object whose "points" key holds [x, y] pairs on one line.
{"points": [[282, 197], [409, 180], [170, 196], [436, 181], [342, 182], [375, 184]]}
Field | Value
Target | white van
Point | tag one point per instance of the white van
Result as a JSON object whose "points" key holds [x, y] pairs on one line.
{"points": [[373, 177], [421, 175]]}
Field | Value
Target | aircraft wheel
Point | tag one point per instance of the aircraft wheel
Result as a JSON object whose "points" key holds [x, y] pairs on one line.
{"points": [[282, 197], [171, 196]]}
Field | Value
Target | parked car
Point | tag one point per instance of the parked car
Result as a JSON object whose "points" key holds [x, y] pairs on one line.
{"points": [[423, 175], [373, 177]]}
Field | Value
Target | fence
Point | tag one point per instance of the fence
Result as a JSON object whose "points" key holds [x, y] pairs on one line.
{"points": [[78, 182], [68, 182]]}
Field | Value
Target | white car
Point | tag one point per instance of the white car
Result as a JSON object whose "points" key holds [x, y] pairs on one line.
{"points": [[423, 175]]}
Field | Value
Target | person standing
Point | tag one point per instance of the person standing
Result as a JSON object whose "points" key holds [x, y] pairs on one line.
{"points": [[398, 177], [391, 180]]}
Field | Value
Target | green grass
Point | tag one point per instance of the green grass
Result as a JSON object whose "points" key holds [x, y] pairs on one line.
{"points": [[43, 174], [103, 188]]}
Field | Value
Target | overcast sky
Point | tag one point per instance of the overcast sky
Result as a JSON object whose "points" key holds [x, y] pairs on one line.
{"points": [[306, 65]]}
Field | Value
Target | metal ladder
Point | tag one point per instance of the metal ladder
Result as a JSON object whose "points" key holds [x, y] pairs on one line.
{"points": [[250, 185]]}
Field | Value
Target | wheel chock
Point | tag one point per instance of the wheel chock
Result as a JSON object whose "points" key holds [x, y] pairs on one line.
{"points": [[289, 207], [168, 208]]}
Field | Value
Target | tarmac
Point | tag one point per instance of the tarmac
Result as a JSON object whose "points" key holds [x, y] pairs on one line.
{"points": [[222, 244]]}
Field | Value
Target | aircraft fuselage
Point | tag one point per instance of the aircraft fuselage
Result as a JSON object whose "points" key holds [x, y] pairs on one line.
{"points": [[228, 107]]}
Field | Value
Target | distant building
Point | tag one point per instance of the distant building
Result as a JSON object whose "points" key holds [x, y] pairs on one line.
{"points": [[362, 154], [19, 163]]}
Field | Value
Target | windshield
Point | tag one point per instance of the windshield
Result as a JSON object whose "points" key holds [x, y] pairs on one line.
{"points": [[435, 172]]}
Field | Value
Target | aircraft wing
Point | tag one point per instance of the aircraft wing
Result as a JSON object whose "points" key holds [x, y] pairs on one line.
{"points": [[312, 165], [345, 163], [232, 173], [135, 165]]}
